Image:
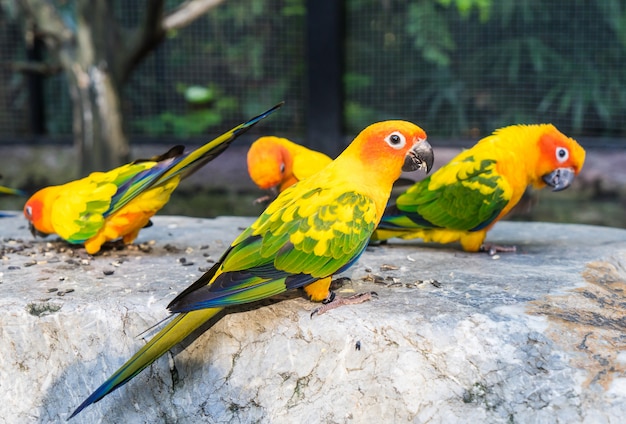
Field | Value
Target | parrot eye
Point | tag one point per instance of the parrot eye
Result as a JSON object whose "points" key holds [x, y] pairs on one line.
{"points": [[396, 140], [29, 211], [282, 168], [561, 154]]}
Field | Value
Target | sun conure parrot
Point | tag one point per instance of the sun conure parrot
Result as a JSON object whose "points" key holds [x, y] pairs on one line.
{"points": [[465, 198], [276, 163], [117, 204], [314, 229]]}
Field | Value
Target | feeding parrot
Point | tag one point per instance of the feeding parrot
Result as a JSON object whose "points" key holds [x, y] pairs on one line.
{"points": [[276, 163], [464, 199], [105, 206], [314, 229]]}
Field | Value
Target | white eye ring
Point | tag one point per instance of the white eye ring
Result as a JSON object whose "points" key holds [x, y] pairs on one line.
{"points": [[562, 154], [282, 168], [29, 210], [396, 140]]}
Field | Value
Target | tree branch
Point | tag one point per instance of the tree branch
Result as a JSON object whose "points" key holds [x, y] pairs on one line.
{"points": [[142, 40], [49, 25], [187, 13], [41, 68]]}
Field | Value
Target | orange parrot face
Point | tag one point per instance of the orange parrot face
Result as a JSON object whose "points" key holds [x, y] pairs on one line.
{"points": [[391, 141], [34, 211], [269, 164], [561, 159]]}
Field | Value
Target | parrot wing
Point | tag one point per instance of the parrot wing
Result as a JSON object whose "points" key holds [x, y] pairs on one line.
{"points": [[173, 163], [82, 206], [465, 195], [289, 246]]}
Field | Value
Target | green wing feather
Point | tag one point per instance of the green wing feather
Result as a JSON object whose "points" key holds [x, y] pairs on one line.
{"points": [[464, 195], [82, 206], [289, 246]]}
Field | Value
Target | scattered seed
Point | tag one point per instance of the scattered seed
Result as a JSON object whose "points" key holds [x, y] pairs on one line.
{"points": [[387, 267], [108, 271]]}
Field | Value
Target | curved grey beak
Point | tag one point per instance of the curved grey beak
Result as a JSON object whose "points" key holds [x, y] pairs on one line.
{"points": [[419, 157], [559, 179], [35, 232]]}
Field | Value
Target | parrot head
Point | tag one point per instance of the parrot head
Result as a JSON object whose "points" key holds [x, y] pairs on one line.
{"points": [[35, 211], [270, 164], [560, 159], [394, 145]]}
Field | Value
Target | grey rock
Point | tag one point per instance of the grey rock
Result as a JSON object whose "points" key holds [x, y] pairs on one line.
{"points": [[536, 336]]}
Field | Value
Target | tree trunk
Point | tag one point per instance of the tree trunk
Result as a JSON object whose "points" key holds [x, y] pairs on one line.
{"points": [[97, 55], [97, 120]]}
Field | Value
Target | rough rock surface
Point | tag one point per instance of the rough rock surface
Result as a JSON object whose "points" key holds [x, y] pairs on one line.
{"points": [[537, 336]]}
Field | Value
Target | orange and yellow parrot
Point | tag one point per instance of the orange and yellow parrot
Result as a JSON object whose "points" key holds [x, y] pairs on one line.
{"points": [[464, 199], [314, 229], [275, 163], [106, 206]]}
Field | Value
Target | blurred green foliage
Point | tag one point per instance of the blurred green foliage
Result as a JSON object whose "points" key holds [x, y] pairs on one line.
{"points": [[456, 67], [461, 67]]}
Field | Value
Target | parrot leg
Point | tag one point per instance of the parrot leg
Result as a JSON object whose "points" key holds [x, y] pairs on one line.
{"points": [[262, 200], [492, 249], [333, 302]]}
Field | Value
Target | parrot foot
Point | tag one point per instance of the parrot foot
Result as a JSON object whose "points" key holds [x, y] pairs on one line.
{"points": [[492, 249], [262, 199], [333, 302]]}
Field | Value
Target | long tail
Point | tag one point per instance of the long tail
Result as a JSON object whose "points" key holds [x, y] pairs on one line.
{"points": [[13, 191], [183, 165], [401, 224], [180, 327], [199, 157]]}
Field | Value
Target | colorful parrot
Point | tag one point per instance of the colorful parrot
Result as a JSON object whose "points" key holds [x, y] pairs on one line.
{"points": [[314, 229], [276, 163], [117, 204], [464, 199]]}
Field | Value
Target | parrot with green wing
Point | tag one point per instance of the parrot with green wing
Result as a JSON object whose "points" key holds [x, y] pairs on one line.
{"points": [[275, 163], [316, 228], [465, 198], [106, 206]]}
